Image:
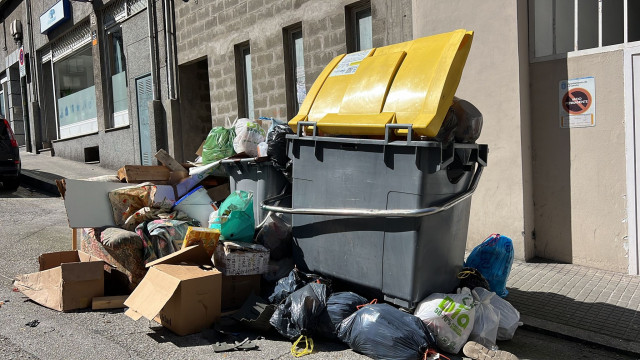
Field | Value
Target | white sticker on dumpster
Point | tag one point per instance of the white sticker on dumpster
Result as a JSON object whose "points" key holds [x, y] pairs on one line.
{"points": [[349, 63]]}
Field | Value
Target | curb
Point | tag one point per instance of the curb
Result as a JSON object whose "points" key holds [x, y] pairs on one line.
{"points": [[580, 335], [40, 183]]}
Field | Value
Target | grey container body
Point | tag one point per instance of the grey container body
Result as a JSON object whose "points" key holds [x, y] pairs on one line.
{"points": [[258, 177], [405, 259]]}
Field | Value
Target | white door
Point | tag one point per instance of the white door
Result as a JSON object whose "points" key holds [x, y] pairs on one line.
{"points": [[632, 140]]}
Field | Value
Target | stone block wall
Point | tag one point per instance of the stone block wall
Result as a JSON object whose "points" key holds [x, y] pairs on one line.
{"points": [[213, 28]]}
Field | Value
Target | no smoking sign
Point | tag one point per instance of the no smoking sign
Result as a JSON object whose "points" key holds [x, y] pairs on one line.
{"points": [[577, 103]]}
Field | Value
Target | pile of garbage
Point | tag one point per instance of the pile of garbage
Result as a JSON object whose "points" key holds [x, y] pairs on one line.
{"points": [[190, 222]]}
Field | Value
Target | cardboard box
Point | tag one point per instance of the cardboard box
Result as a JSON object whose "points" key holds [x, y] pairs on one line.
{"points": [[67, 280], [238, 258], [181, 291], [237, 288]]}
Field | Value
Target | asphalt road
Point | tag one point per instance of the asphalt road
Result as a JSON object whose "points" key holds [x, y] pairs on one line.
{"points": [[32, 223]]}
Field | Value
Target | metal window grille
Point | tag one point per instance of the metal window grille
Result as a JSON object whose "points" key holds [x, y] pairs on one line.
{"points": [[71, 41]]}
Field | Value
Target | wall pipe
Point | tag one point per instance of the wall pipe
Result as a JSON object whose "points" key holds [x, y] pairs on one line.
{"points": [[169, 32], [153, 45]]}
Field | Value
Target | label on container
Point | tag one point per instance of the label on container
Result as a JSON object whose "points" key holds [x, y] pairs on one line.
{"points": [[349, 63]]}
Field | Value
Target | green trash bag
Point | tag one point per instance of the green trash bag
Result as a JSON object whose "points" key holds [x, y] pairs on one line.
{"points": [[235, 217], [218, 145]]}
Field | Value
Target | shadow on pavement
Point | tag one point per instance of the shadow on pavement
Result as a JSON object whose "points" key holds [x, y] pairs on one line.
{"points": [[602, 318]]}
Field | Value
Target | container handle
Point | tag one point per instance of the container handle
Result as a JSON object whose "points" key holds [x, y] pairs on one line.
{"points": [[388, 129], [303, 124], [399, 213]]}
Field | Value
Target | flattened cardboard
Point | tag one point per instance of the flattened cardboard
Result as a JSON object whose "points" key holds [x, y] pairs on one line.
{"points": [[183, 298], [236, 289], [68, 280]]}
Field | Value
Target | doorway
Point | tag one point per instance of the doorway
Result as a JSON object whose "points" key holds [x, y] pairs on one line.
{"points": [[195, 106]]}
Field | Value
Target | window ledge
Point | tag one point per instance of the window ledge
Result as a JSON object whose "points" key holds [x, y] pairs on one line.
{"points": [[74, 137], [121, 127]]}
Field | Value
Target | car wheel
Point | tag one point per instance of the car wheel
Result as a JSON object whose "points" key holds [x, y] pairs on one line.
{"points": [[11, 184]]}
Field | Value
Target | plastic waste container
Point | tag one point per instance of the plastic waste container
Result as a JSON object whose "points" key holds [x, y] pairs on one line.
{"points": [[257, 175], [390, 216], [373, 203]]}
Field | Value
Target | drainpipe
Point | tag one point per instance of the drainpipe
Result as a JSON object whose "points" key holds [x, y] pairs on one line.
{"points": [[155, 69], [32, 55], [169, 31]]}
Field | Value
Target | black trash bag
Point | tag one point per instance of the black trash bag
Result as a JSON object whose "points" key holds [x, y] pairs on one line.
{"points": [[381, 331], [472, 278], [285, 287], [275, 235], [469, 120], [448, 128], [463, 123], [294, 281], [339, 307], [300, 312], [277, 145]]}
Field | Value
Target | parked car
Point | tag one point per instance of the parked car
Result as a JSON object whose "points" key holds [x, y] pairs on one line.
{"points": [[10, 164]]}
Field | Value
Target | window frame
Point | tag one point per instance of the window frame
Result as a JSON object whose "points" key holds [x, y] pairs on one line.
{"points": [[351, 24], [109, 69], [242, 86], [291, 65], [576, 52]]}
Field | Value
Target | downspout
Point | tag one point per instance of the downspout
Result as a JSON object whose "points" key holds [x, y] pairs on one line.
{"points": [[32, 56], [169, 45], [155, 79]]}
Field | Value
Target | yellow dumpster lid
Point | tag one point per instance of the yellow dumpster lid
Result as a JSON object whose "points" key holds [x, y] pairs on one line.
{"points": [[407, 83]]}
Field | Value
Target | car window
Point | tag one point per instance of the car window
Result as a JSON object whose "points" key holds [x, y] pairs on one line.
{"points": [[4, 134]]}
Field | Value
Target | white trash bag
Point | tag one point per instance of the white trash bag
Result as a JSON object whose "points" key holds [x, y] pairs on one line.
{"points": [[248, 135], [450, 318], [509, 316], [487, 319]]}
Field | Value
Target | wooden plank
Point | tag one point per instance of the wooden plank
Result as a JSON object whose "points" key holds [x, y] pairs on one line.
{"points": [[108, 302], [135, 174], [168, 161], [74, 239]]}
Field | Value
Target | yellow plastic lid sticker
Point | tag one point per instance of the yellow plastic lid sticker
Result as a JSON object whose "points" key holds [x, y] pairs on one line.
{"points": [[349, 64]]}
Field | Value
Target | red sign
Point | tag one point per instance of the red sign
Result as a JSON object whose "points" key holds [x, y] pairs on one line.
{"points": [[576, 101], [21, 57]]}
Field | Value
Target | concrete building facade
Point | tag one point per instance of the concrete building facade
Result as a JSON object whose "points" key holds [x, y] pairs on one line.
{"points": [[95, 78]]}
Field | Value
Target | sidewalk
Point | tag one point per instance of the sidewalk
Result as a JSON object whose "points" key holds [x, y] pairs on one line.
{"points": [[567, 300]]}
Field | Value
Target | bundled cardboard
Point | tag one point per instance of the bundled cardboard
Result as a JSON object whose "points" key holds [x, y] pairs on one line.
{"points": [[181, 291], [67, 280], [238, 258]]}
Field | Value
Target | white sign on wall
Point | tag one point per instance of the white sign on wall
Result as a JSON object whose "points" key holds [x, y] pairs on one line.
{"points": [[56, 15], [578, 103]]}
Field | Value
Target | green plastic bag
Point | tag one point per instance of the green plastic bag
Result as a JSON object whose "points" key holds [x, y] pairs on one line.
{"points": [[235, 217], [218, 145]]}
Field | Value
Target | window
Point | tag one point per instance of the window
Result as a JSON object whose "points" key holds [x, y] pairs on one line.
{"points": [[561, 26], [117, 71], [294, 65], [244, 81], [2, 113], [75, 94], [358, 22]]}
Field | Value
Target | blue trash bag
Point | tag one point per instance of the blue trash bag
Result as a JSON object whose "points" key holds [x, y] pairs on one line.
{"points": [[493, 258]]}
